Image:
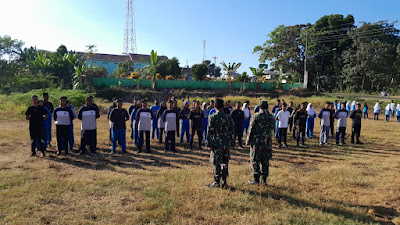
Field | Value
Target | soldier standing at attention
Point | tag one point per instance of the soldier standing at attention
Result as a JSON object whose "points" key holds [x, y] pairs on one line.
{"points": [[219, 140], [260, 141]]}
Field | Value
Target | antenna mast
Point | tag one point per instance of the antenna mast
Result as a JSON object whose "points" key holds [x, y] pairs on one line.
{"points": [[130, 31]]}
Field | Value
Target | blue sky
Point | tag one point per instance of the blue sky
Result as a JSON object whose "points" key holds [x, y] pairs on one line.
{"points": [[174, 27]]}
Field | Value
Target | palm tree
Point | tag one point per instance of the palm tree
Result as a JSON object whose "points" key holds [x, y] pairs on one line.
{"points": [[230, 69], [258, 72], [153, 63]]}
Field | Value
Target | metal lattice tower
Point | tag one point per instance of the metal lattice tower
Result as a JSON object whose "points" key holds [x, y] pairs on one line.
{"points": [[130, 32]]}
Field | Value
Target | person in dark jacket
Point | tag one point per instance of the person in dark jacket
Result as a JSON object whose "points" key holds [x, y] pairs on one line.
{"points": [[290, 109], [160, 123], [178, 112], [63, 117], [36, 114], [238, 117], [185, 125], [168, 117], [196, 116], [300, 118], [143, 124], [325, 116], [118, 116], [341, 116], [332, 108], [356, 116]]}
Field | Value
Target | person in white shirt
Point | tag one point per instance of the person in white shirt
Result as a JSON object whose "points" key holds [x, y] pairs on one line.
{"points": [[144, 117], [88, 115], [283, 120], [393, 108], [377, 110]]}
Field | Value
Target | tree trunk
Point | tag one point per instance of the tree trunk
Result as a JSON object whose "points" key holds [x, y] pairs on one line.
{"points": [[153, 82]]}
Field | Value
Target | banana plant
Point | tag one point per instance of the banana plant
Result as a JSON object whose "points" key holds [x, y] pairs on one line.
{"points": [[230, 69], [258, 72], [153, 63]]}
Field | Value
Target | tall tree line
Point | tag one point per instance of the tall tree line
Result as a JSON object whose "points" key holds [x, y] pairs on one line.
{"points": [[339, 55]]}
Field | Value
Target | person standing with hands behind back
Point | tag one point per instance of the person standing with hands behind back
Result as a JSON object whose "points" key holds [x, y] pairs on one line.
{"points": [[118, 117], [63, 117], [325, 116], [356, 116], [283, 120], [36, 114]]}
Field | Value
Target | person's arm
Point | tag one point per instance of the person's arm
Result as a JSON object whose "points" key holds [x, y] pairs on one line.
{"points": [[97, 112], [249, 139], [28, 114], [126, 115], [335, 115], [111, 116], [320, 113], [137, 116], [45, 113], [55, 114], [80, 113], [71, 114], [210, 134], [352, 114], [277, 116]]}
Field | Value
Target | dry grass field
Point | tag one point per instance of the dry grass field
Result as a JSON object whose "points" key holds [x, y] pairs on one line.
{"points": [[352, 184]]}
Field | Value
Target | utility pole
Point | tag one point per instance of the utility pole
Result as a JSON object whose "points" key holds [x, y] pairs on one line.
{"points": [[215, 60], [204, 50], [305, 83]]}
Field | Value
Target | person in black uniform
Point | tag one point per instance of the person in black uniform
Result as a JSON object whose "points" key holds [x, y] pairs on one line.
{"points": [[356, 116], [238, 117], [36, 114], [301, 121], [196, 116], [47, 104]]}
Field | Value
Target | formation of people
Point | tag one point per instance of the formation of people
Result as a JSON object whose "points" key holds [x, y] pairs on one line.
{"points": [[217, 124]]}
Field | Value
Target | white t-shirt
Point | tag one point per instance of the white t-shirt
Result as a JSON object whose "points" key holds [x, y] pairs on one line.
{"points": [[283, 117]]}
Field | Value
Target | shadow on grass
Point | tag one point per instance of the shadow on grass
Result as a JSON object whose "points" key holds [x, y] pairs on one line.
{"points": [[277, 195]]}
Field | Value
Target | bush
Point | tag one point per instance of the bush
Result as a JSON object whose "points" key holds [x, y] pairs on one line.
{"points": [[20, 101], [169, 77], [110, 93]]}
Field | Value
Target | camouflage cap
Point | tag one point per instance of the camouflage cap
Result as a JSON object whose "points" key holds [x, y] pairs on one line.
{"points": [[264, 104]]}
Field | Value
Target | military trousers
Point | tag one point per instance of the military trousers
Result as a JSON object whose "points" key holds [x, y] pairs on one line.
{"points": [[219, 159], [259, 160]]}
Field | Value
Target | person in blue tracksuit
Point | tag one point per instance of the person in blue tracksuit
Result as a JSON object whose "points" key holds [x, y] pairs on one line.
{"points": [[205, 121], [397, 110], [353, 106], [388, 111], [365, 111], [311, 114], [46, 127], [185, 124], [348, 106], [276, 125], [154, 109], [133, 122], [274, 111], [247, 117], [161, 123], [341, 116]]}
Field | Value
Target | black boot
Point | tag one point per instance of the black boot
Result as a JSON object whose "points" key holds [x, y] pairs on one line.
{"points": [[264, 179], [224, 183]]}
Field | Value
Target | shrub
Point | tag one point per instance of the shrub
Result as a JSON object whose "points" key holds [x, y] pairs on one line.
{"points": [[158, 76], [110, 93], [169, 77], [148, 77]]}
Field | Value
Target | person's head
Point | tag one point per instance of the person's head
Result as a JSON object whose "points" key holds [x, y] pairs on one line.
{"points": [[278, 101], [212, 103], [114, 101], [144, 103], [237, 105], [63, 101], [228, 103], [89, 101], [171, 104], [358, 106], [119, 103], [248, 102], [303, 106], [219, 104], [197, 105], [68, 103], [260, 101], [291, 104], [327, 104], [163, 104], [365, 104], [392, 101], [204, 105], [284, 106], [331, 106], [311, 105], [156, 103], [45, 97], [175, 104], [264, 105], [35, 100], [343, 105]]}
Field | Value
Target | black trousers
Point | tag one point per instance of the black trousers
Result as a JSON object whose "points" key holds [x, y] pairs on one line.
{"points": [[302, 131], [141, 140], [355, 131], [376, 116], [199, 137], [332, 128], [170, 141], [238, 134], [88, 137], [282, 135], [161, 131], [62, 133], [340, 132], [37, 135]]}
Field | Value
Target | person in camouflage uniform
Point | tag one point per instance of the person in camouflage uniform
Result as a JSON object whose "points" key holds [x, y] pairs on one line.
{"points": [[260, 141], [219, 140]]}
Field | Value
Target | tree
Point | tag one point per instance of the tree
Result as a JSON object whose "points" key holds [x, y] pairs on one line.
{"points": [[169, 67], [124, 67], [370, 63], [258, 72], [243, 77], [10, 47], [230, 69], [199, 71], [153, 63], [213, 70]]}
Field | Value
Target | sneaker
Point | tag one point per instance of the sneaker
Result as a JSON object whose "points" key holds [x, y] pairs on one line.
{"points": [[58, 153], [113, 152], [279, 146], [214, 185], [33, 154], [42, 154], [253, 182], [285, 145]]}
